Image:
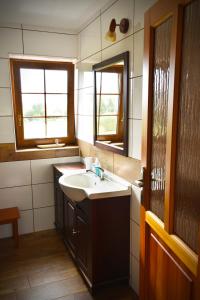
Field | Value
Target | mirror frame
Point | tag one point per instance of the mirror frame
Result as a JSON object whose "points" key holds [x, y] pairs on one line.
{"points": [[98, 67]]}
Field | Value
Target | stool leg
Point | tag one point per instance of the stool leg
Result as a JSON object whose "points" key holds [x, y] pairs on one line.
{"points": [[15, 233]]}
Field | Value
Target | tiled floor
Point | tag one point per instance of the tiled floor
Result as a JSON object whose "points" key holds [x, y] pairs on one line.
{"points": [[41, 269]]}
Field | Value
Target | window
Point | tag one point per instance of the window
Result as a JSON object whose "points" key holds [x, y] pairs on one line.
{"points": [[109, 102], [43, 94]]}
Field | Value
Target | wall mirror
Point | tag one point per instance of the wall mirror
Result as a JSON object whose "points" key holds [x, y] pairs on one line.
{"points": [[111, 104]]}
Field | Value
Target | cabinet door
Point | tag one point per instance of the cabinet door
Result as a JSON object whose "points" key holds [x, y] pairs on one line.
{"points": [[58, 195], [70, 226], [82, 242], [59, 209]]}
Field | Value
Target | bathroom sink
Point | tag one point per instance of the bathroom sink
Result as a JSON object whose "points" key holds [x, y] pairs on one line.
{"points": [[84, 185]]}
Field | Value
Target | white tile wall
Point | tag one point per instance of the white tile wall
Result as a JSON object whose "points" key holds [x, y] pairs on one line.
{"points": [[50, 44], [16, 196], [7, 130], [85, 72], [5, 102], [44, 218], [15, 174], [135, 204], [16, 190], [85, 128], [86, 101], [138, 50], [11, 41], [134, 280], [90, 39], [130, 137], [120, 47], [4, 73], [137, 139], [26, 222], [43, 195], [42, 171], [137, 98], [140, 8], [135, 241], [121, 9]]}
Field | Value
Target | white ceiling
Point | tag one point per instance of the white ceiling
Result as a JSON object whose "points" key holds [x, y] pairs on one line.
{"points": [[60, 14]]}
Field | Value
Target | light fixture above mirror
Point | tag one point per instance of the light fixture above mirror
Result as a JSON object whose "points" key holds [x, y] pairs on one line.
{"points": [[123, 27]]}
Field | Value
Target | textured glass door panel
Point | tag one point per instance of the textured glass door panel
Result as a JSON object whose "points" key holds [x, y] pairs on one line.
{"points": [[159, 118], [187, 192]]}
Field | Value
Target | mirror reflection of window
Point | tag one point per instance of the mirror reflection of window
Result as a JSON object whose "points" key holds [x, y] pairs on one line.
{"points": [[109, 94]]}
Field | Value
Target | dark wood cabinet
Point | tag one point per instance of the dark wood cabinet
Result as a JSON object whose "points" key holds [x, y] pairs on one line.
{"points": [[59, 202], [97, 234]]}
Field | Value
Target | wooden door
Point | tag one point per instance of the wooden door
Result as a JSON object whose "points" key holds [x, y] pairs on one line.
{"points": [[170, 211]]}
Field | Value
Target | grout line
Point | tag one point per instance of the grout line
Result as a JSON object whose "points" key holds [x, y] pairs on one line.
{"points": [[5, 87], [138, 76], [15, 186], [90, 22], [5, 116], [126, 37], [134, 256], [104, 10], [43, 207], [46, 31], [101, 12], [132, 220]]}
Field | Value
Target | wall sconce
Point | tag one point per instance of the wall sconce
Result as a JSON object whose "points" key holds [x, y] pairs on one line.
{"points": [[123, 27]]}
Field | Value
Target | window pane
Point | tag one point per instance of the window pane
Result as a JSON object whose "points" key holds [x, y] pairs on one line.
{"points": [[56, 81], [34, 128], [56, 105], [56, 127], [109, 104], [32, 80], [33, 105], [107, 125], [110, 83]]}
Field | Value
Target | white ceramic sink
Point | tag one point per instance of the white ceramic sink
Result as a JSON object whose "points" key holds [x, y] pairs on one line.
{"points": [[87, 185]]}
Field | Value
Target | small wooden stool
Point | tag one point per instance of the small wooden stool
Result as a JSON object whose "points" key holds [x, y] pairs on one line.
{"points": [[11, 216]]}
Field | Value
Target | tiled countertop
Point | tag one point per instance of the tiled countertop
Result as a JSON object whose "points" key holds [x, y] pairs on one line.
{"points": [[64, 167]]}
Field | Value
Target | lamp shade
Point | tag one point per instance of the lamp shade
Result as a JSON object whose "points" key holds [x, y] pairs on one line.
{"points": [[110, 36]]}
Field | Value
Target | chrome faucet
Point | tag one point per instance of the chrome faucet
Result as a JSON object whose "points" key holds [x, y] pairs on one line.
{"points": [[98, 172]]}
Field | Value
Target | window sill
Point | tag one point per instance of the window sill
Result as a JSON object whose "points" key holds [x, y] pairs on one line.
{"points": [[47, 149], [8, 152]]}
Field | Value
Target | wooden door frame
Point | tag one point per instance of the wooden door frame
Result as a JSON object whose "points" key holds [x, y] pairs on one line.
{"points": [[156, 15]]}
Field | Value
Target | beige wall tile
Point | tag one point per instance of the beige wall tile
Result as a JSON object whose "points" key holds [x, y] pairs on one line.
{"points": [[126, 167], [105, 158]]}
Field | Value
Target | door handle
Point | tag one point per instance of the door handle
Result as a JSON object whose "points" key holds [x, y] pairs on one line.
{"points": [[140, 182]]}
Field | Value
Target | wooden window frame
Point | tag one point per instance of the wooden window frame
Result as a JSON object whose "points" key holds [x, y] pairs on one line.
{"points": [[15, 65]]}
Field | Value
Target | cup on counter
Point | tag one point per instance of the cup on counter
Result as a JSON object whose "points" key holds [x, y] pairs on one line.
{"points": [[88, 163]]}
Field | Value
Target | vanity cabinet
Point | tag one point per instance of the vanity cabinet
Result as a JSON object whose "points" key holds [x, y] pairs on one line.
{"points": [[97, 234]]}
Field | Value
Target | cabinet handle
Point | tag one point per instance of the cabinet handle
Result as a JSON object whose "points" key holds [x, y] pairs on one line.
{"points": [[74, 232]]}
